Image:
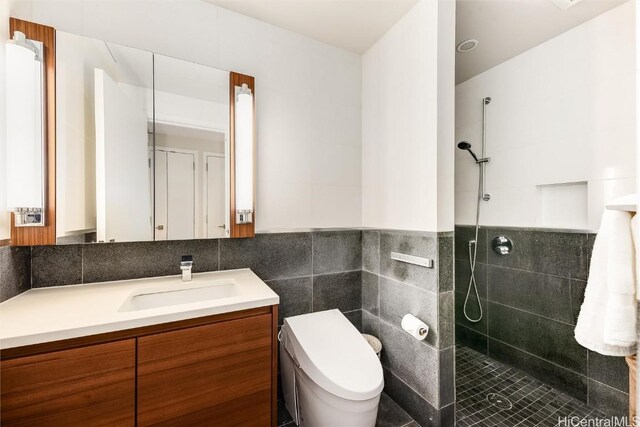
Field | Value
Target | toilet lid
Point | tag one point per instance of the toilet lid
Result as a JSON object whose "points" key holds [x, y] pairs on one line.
{"points": [[331, 351]]}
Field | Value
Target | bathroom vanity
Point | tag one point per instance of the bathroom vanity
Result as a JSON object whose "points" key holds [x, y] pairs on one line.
{"points": [[142, 352]]}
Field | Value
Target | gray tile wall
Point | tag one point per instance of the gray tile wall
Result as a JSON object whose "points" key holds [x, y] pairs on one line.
{"points": [[531, 300], [15, 271], [419, 375], [310, 271]]}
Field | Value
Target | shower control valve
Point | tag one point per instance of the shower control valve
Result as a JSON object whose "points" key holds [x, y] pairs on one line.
{"points": [[502, 245]]}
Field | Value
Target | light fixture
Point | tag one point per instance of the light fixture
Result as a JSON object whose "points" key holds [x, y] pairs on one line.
{"points": [[25, 130], [565, 4], [467, 45], [244, 134]]}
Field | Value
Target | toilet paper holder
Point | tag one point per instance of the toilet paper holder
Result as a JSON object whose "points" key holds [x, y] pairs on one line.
{"points": [[414, 326], [421, 330]]}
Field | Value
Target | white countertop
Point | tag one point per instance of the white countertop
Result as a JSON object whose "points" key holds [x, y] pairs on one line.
{"points": [[57, 313]]}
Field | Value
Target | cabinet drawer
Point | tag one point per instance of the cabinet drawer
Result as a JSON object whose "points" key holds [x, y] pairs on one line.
{"points": [[87, 386], [218, 374]]}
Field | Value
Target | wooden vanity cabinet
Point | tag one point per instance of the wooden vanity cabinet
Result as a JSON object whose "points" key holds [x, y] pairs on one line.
{"points": [[210, 371], [218, 372]]}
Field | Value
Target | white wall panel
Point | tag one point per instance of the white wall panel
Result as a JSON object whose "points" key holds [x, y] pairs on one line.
{"points": [[5, 218], [561, 112], [404, 165]]}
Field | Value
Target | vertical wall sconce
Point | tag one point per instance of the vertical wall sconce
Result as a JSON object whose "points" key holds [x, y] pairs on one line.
{"points": [[244, 134], [25, 130]]}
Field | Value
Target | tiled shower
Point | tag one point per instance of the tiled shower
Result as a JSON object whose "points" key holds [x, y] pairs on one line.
{"points": [[555, 156], [530, 301]]}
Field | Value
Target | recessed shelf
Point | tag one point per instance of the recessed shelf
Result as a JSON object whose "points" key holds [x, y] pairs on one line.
{"points": [[563, 205]]}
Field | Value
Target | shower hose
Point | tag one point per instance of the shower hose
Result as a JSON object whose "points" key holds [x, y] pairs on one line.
{"points": [[473, 252]]}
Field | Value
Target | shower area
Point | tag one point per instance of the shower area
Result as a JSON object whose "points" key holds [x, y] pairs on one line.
{"points": [[545, 139]]}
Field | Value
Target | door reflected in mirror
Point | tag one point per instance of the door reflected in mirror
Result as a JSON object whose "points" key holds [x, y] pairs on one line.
{"points": [[142, 145], [191, 140]]}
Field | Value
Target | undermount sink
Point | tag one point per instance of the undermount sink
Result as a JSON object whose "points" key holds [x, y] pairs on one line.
{"points": [[82, 310], [179, 294]]}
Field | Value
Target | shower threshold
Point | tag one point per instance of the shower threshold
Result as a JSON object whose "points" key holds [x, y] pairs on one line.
{"points": [[489, 393]]}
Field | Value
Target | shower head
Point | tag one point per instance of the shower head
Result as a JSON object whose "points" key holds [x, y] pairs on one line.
{"points": [[464, 145]]}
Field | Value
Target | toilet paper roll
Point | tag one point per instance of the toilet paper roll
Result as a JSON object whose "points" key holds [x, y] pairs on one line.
{"points": [[414, 326]]}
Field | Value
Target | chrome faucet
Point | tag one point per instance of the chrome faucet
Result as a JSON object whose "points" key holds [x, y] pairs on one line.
{"points": [[185, 265]]}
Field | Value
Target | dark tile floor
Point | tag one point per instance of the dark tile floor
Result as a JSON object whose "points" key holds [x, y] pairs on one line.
{"points": [[528, 402], [389, 415]]}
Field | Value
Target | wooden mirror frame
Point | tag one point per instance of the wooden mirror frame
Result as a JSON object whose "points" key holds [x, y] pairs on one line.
{"points": [[42, 235], [240, 230]]}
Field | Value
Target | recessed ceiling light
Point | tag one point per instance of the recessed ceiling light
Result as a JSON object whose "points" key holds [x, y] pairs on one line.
{"points": [[565, 4], [467, 45]]}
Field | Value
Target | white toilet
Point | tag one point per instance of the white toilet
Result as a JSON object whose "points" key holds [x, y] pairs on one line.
{"points": [[331, 377]]}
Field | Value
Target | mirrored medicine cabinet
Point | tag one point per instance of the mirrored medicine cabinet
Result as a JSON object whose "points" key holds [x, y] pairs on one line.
{"points": [[149, 147]]}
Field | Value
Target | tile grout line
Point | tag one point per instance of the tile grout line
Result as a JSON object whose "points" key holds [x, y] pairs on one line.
{"points": [[309, 276], [81, 263], [538, 357], [489, 264], [313, 282], [408, 284], [438, 336], [30, 267], [588, 382], [379, 256], [486, 280], [523, 311], [607, 385], [410, 388]]}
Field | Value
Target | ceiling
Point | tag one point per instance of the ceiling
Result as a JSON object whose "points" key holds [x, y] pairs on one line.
{"points": [[354, 25], [190, 79], [506, 28], [164, 73]]}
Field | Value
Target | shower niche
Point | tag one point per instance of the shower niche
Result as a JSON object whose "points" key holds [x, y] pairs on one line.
{"points": [[563, 205]]}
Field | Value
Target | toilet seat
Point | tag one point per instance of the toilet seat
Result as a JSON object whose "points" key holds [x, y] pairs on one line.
{"points": [[333, 354]]}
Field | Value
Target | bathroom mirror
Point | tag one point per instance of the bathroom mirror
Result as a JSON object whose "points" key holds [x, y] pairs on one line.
{"points": [[142, 145]]}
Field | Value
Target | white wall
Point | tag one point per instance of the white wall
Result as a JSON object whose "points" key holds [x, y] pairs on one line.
{"points": [[308, 95], [562, 112], [5, 218], [446, 113], [406, 156]]}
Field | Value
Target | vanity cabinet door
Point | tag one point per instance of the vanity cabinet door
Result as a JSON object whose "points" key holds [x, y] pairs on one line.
{"points": [[88, 386], [216, 375]]}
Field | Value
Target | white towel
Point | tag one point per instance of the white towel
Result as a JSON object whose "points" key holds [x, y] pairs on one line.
{"points": [[607, 320]]}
